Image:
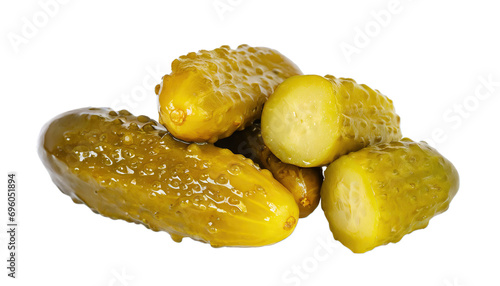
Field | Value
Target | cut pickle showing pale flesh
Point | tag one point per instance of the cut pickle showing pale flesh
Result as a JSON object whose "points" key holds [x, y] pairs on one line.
{"points": [[312, 120], [381, 193]]}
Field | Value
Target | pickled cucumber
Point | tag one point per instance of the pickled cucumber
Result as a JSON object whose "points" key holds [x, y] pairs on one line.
{"points": [[312, 120], [131, 168], [211, 94], [381, 193], [303, 183]]}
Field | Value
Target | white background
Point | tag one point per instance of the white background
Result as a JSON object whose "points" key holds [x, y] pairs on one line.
{"points": [[428, 56]]}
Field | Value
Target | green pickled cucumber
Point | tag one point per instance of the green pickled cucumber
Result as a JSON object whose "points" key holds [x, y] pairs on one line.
{"points": [[211, 94], [312, 120], [131, 168], [381, 193], [303, 183]]}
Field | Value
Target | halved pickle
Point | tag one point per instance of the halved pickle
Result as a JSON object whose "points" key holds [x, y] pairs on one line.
{"points": [[311, 120], [381, 193]]}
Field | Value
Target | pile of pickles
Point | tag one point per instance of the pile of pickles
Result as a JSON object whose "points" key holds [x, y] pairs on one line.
{"points": [[236, 156]]}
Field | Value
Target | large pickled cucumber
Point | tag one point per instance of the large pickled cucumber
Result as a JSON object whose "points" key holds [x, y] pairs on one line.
{"points": [[127, 167], [211, 94], [303, 183], [378, 194], [312, 120]]}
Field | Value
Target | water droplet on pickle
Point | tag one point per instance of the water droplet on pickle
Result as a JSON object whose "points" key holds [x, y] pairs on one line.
{"points": [[289, 223], [107, 161], [234, 169], [205, 164], [233, 201], [222, 180], [260, 189]]}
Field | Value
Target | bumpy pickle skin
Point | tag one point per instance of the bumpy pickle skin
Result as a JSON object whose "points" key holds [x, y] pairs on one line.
{"points": [[131, 168], [311, 120], [379, 194], [211, 94], [303, 183]]}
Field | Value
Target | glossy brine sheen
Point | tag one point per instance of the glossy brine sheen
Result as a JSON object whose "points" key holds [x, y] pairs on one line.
{"points": [[131, 168]]}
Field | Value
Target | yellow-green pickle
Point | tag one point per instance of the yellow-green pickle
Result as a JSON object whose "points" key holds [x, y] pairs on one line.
{"points": [[131, 168], [211, 94], [381, 193], [311, 120], [303, 183]]}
